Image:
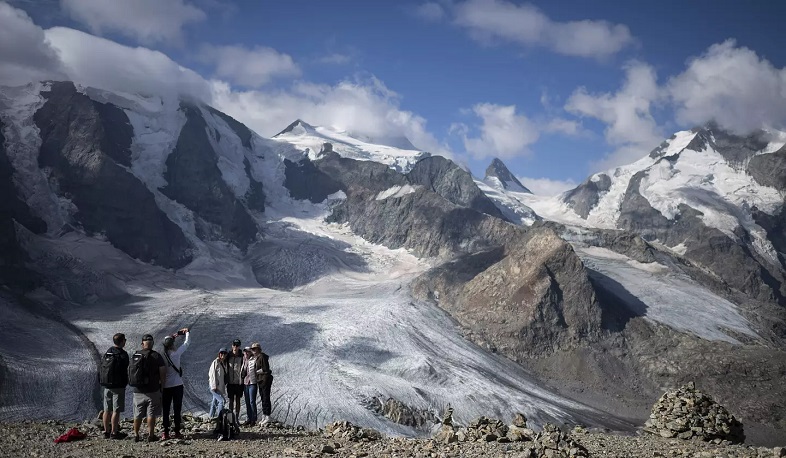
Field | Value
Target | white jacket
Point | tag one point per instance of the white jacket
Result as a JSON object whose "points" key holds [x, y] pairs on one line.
{"points": [[172, 377], [216, 376]]}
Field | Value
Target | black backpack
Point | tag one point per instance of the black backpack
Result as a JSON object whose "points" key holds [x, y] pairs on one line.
{"points": [[113, 372], [227, 427], [139, 369]]}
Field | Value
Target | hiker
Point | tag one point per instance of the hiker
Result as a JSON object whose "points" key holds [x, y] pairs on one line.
{"points": [[146, 372], [264, 380], [234, 377], [250, 386], [217, 379], [173, 384], [114, 378]]}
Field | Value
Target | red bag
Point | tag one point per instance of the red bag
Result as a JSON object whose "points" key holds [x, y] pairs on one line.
{"points": [[71, 435]]}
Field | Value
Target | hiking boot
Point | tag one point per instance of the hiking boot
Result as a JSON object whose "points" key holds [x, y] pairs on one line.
{"points": [[107, 434], [165, 436], [152, 438], [119, 435], [137, 439], [265, 420]]}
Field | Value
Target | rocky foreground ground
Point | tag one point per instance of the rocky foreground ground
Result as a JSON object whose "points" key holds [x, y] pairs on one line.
{"points": [[36, 439]]}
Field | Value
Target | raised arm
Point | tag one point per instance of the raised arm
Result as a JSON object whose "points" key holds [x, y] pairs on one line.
{"points": [[186, 342]]}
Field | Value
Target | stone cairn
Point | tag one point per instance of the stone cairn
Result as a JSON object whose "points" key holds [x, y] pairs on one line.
{"points": [[550, 442], [687, 413], [347, 431]]}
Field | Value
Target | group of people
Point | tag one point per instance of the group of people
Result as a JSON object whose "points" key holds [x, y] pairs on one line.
{"points": [[241, 374], [157, 383]]}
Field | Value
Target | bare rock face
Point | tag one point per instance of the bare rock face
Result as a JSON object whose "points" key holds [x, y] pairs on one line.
{"points": [[86, 146], [194, 179], [586, 196], [687, 413], [453, 183], [533, 298], [424, 222]]}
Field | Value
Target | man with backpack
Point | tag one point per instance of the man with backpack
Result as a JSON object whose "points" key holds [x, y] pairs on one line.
{"points": [[173, 384], [146, 372], [114, 378], [235, 377]]}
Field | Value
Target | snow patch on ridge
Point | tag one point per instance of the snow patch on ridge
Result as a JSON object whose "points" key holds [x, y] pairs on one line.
{"points": [[23, 143], [396, 191], [230, 151], [668, 296], [310, 140]]}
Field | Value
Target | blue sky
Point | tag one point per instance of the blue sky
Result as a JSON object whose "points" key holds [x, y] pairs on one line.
{"points": [[557, 89]]}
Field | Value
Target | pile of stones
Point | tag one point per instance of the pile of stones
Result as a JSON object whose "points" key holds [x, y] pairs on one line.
{"points": [[553, 442], [550, 442], [687, 413], [347, 431]]}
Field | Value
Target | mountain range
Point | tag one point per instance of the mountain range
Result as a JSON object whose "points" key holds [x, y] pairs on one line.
{"points": [[370, 269]]}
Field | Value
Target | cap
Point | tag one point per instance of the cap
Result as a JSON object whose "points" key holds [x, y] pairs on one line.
{"points": [[256, 345], [147, 337], [247, 349], [236, 343], [223, 350]]}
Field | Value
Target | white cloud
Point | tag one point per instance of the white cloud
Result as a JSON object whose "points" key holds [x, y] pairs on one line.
{"points": [[630, 127], [24, 53], [430, 11], [733, 86], [366, 107], [334, 59], [503, 133], [563, 126], [547, 186], [249, 67], [148, 21], [526, 25], [104, 64]]}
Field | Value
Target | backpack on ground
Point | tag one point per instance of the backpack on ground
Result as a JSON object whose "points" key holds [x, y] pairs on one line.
{"points": [[113, 369], [139, 369], [227, 427]]}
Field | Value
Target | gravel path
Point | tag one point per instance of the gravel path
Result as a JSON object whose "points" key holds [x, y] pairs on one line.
{"points": [[35, 439]]}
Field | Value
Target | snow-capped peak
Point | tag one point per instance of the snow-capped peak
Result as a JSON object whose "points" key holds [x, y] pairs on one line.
{"points": [[498, 176], [395, 151]]}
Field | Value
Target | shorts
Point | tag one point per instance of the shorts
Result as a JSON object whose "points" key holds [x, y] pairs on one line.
{"points": [[147, 405], [114, 399], [234, 391]]}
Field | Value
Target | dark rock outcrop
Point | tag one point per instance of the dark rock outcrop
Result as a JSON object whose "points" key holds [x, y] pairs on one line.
{"points": [[422, 221], [85, 144], [769, 169], [304, 180], [244, 133], [497, 169], [532, 300], [583, 198], [734, 148], [255, 197], [194, 179], [453, 183]]}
